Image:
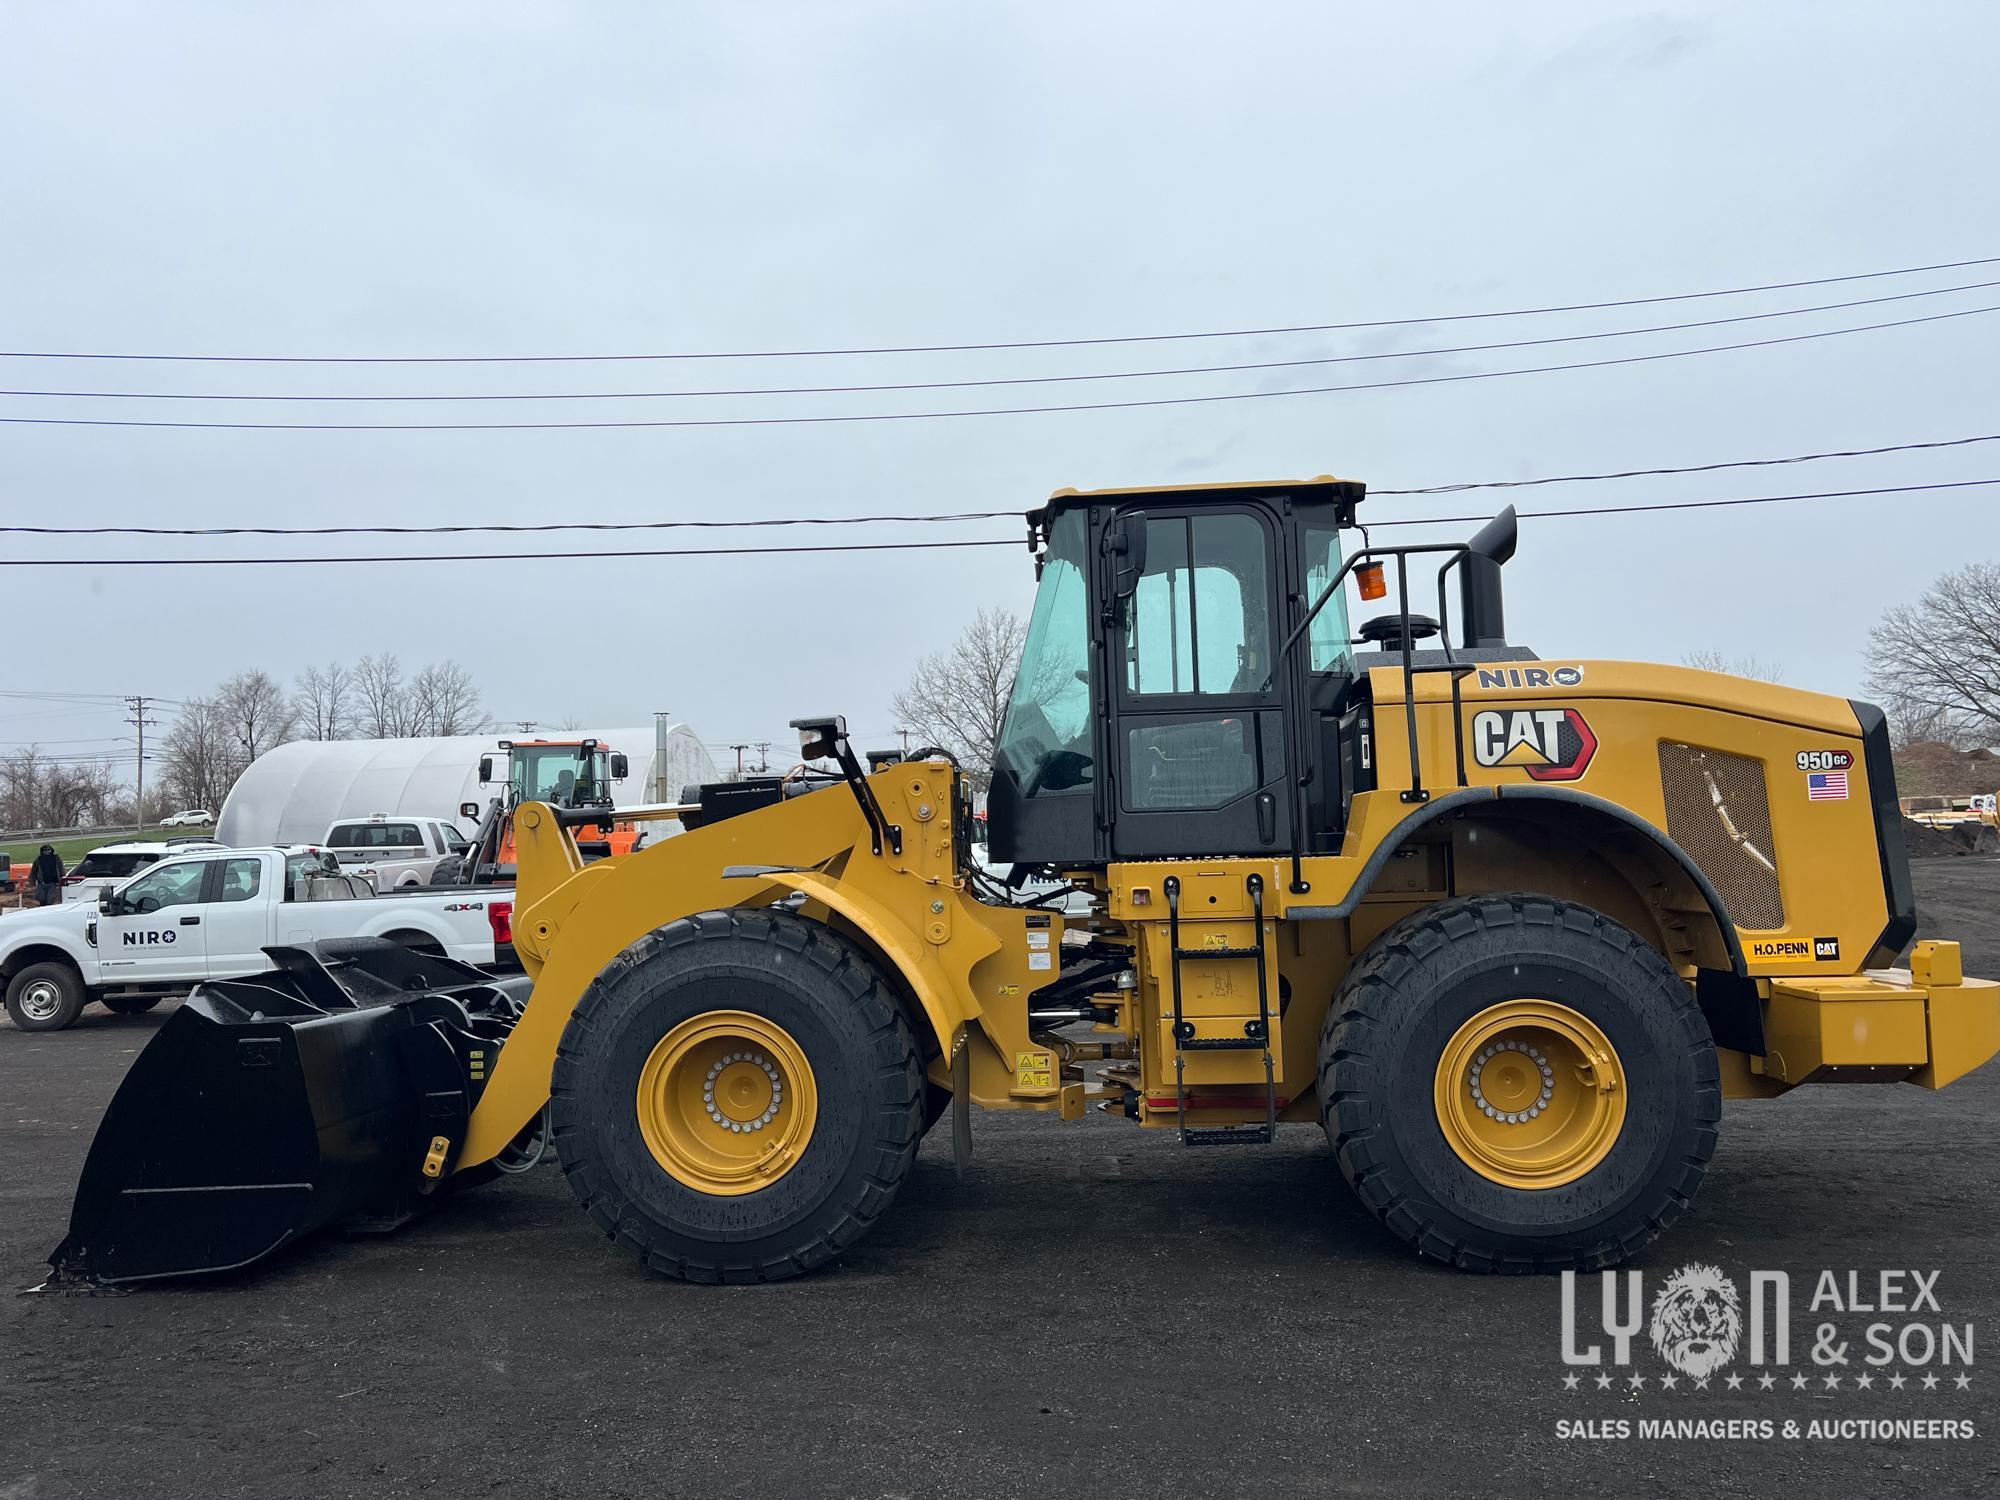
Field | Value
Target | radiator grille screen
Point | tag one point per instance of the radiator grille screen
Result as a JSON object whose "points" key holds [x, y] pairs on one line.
{"points": [[1718, 812]]}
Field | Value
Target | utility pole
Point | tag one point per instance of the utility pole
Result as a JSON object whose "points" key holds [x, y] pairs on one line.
{"points": [[763, 757], [906, 741], [138, 703], [739, 749], [525, 726]]}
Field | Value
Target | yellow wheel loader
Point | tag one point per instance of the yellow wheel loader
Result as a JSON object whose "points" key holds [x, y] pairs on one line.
{"points": [[1509, 929]]}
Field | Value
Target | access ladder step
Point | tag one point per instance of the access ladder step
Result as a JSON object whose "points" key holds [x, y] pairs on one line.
{"points": [[1227, 1135], [1221, 1044], [1181, 953]]}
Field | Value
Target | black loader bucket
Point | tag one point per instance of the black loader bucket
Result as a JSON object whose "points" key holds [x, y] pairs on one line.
{"points": [[332, 1091]]}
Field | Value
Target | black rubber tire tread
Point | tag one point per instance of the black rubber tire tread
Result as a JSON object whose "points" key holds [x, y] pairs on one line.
{"points": [[1406, 974], [449, 870], [893, 1103], [75, 996], [129, 1005]]}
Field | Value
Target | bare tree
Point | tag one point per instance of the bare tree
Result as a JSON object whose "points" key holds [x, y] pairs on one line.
{"points": [[443, 699], [957, 699], [199, 756], [79, 795], [259, 714], [1935, 664], [323, 702], [378, 686], [21, 788], [1735, 666]]}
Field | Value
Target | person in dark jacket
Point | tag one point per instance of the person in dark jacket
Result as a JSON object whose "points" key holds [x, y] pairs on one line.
{"points": [[45, 875]]}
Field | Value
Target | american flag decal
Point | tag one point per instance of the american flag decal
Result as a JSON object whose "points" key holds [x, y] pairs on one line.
{"points": [[1826, 786]]}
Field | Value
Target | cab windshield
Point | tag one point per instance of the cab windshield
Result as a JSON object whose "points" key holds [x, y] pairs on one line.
{"points": [[1046, 736], [565, 775]]}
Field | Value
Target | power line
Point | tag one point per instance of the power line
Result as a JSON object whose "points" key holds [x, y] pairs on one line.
{"points": [[1068, 343], [999, 411], [1738, 463], [952, 517], [500, 527], [1593, 510], [1662, 505], [1011, 380], [221, 562]]}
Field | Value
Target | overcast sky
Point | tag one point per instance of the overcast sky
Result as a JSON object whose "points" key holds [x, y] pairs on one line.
{"points": [[507, 179]]}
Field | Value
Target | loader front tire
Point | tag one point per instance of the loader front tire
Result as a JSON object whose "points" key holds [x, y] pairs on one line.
{"points": [[737, 1097], [1513, 1083]]}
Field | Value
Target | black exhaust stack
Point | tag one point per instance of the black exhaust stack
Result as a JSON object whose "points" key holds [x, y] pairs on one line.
{"points": [[1480, 597]]}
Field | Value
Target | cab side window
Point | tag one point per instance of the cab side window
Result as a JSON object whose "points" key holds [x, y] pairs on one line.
{"points": [[1199, 621], [240, 879], [170, 885]]}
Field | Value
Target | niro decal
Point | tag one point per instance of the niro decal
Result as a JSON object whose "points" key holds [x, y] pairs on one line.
{"points": [[1550, 744], [1529, 677], [148, 939]]}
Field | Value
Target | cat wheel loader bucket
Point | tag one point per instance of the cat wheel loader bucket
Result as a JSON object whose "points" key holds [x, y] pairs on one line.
{"points": [[332, 1091]]}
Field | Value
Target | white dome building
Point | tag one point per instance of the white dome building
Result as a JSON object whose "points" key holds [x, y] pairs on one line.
{"points": [[292, 794]]}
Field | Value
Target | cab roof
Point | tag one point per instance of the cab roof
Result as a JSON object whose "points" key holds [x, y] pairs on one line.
{"points": [[1320, 489]]}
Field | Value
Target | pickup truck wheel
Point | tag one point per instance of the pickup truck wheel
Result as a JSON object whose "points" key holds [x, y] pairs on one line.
{"points": [[129, 1005], [45, 997]]}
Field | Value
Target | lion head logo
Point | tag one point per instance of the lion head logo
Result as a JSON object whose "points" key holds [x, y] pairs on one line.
{"points": [[1696, 1320]]}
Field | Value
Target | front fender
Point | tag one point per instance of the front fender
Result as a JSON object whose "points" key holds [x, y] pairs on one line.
{"points": [[943, 1002]]}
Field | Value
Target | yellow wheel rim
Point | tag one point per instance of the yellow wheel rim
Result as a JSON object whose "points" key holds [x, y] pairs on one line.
{"points": [[1530, 1094], [727, 1102]]}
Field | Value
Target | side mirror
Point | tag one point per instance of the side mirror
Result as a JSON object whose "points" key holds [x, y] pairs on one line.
{"points": [[107, 902], [820, 738], [1125, 544], [468, 809], [485, 773], [620, 766]]}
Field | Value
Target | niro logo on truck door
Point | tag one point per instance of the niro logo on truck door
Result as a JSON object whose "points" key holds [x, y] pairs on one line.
{"points": [[1550, 744], [148, 939]]}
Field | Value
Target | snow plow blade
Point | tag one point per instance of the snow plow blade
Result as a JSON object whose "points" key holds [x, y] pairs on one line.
{"points": [[332, 1091]]}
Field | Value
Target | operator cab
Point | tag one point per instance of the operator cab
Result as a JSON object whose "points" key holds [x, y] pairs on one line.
{"points": [[1189, 647]]}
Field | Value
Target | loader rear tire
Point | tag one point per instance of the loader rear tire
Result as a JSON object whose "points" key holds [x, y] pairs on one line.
{"points": [[1592, 1048], [843, 1128]]}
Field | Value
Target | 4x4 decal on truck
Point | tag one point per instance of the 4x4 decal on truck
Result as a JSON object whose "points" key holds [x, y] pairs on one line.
{"points": [[1550, 744]]}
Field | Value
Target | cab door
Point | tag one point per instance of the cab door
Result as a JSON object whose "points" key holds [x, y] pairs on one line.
{"points": [[236, 919], [153, 932], [1197, 725]]}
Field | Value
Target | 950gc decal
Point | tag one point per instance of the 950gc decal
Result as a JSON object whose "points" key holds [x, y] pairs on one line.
{"points": [[1825, 760], [1550, 744]]}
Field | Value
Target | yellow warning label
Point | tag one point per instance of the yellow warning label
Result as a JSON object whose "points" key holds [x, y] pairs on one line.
{"points": [[1216, 940], [1034, 1070], [1007, 990]]}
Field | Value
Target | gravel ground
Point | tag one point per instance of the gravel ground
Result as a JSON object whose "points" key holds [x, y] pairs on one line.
{"points": [[1092, 1307]]}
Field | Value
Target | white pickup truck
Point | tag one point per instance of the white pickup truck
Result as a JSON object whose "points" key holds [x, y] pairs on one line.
{"points": [[394, 852], [209, 914]]}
